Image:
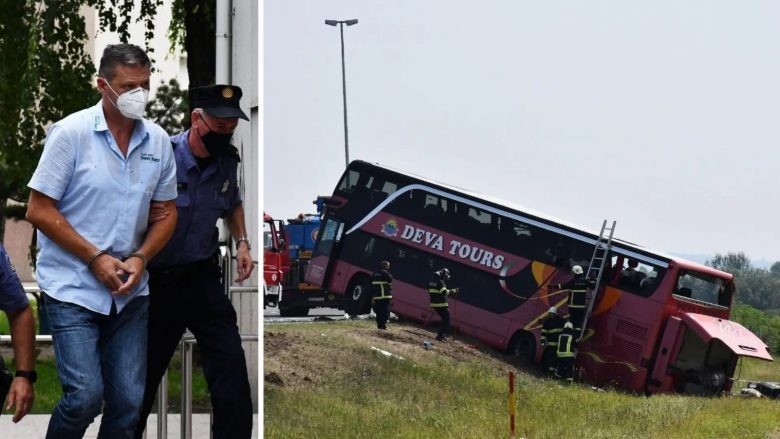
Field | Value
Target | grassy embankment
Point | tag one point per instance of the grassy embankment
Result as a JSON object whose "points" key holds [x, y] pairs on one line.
{"points": [[324, 380]]}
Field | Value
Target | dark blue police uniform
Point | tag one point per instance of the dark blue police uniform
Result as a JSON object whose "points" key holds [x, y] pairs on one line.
{"points": [[186, 291], [12, 299], [12, 295]]}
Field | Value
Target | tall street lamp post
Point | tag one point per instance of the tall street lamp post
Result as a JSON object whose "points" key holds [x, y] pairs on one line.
{"points": [[341, 24]]}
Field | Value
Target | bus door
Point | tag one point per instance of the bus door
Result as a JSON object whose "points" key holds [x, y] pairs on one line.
{"points": [[326, 249]]}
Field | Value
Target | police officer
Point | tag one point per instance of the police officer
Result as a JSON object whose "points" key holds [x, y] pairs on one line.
{"points": [[382, 293], [578, 290], [438, 293], [13, 301], [567, 344], [551, 329], [186, 280]]}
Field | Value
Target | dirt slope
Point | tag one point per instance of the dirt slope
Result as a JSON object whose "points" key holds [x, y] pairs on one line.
{"points": [[305, 356]]}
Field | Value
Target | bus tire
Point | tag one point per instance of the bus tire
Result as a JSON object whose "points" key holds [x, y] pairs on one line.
{"points": [[358, 296], [523, 346]]}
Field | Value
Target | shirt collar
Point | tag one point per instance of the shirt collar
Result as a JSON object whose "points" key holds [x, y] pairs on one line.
{"points": [[182, 141], [98, 121]]}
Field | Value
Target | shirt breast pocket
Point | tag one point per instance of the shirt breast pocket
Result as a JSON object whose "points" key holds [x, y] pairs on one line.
{"points": [[183, 199]]}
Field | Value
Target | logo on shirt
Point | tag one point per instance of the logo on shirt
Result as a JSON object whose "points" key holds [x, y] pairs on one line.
{"points": [[390, 227], [150, 157]]}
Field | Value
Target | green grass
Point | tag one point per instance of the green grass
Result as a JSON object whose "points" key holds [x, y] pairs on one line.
{"points": [[355, 392], [5, 328], [48, 390]]}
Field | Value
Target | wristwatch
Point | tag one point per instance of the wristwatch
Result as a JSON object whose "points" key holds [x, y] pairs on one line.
{"points": [[29, 374], [243, 239]]}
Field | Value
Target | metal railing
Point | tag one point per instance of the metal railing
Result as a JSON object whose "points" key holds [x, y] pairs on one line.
{"points": [[187, 345]]}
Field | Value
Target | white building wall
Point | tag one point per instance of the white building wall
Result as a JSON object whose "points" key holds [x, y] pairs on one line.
{"points": [[243, 73], [166, 65]]}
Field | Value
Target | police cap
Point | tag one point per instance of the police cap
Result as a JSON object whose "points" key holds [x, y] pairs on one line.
{"points": [[218, 100]]}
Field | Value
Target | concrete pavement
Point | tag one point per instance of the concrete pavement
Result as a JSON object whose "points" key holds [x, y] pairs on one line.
{"points": [[34, 427]]}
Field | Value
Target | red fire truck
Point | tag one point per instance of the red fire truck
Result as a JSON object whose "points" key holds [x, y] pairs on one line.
{"points": [[273, 267], [287, 250], [658, 323]]}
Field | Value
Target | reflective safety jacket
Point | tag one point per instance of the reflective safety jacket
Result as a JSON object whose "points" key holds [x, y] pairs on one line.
{"points": [[566, 344], [551, 329], [438, 292], [381, 285], [578, 290]]}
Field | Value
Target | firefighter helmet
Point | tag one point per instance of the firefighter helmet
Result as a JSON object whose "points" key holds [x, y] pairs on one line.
{"points": [[568, 325], [445, 273], [552, 310], [576, 269]]}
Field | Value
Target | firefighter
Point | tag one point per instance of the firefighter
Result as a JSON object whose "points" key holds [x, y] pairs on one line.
{"points": [[567, 343], [382, 293], [551, 329], [438, 292], [578, 290]]}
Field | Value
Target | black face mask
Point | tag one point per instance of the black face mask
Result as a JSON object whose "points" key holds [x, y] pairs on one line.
{"points": [[216, 143]]}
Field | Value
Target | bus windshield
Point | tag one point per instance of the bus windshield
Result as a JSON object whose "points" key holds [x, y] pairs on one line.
{"points": [[703, 288]]}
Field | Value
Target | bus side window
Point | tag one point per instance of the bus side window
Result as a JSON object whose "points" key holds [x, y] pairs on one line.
{"points": [[389, 187]]}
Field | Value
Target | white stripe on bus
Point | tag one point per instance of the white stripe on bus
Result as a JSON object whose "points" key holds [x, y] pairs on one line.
{"points": [[491, 209]]}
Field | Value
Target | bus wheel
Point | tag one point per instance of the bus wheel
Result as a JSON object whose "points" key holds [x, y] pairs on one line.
{"points": [[523, 346], [359, 300]]}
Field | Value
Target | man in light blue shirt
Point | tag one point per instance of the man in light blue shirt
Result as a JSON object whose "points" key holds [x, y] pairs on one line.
{"points": [[100, 169]]}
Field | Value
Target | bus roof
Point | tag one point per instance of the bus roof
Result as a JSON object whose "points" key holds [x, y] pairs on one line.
{"points": [[547, 221]]}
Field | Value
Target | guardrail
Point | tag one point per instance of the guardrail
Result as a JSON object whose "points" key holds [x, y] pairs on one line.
{"points": [[187, 344]]}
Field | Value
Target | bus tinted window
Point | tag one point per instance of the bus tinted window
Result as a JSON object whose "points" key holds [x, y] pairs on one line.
{"points": [[349, 181], [480, 216], [633, 276], [389, 187], [703, 288]]}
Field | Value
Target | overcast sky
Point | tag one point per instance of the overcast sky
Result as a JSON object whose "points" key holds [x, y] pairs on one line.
{"points": [[662, 115]]}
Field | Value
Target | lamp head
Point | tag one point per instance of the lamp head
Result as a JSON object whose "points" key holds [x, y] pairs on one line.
{"points": [[331, 22], [351, 22]]}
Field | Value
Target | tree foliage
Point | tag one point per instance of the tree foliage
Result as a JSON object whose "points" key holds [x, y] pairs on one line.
{"points": [[193, 26], [730, 262], [170, 108], [756, 287], [765, 325], [757, 296], [46, 74]]}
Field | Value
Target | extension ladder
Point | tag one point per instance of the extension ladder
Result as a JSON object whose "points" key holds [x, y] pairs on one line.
{"points": [[596, 266]]}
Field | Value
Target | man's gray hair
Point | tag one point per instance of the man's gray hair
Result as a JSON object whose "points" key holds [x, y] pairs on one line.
{"points": [[124, 54]]}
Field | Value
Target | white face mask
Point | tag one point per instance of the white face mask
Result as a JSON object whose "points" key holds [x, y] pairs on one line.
{"points": [[132, 103]]}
